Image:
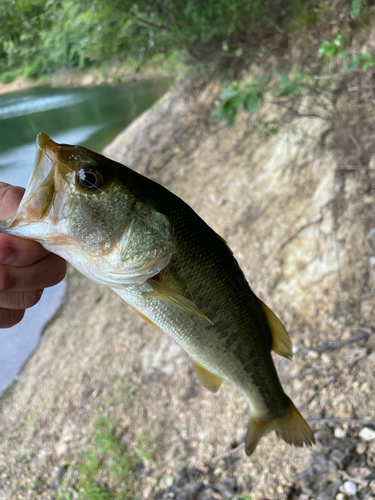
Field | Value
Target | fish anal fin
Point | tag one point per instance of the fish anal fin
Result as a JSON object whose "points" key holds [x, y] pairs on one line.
{"points": [[281, 343], [292, 428], [163, 292], [208, 379]]}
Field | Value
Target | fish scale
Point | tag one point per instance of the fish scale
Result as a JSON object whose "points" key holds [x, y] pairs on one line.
{"points": [[128, 232]]}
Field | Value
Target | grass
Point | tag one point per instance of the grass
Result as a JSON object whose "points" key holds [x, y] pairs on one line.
{"points": [[107, 471]]}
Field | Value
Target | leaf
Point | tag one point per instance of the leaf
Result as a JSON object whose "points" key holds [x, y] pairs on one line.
{"points": [[368, 61], [324, 49], [355, 61], [337, 41], [295, 72], [367, 65], [228, 94], [231, 120], [344, 54], [251, 103], [356, 8]]}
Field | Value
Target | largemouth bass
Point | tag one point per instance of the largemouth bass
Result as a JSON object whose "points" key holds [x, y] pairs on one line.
{"points": [[127, 232]]}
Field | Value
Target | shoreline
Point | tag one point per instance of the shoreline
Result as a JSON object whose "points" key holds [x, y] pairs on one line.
{"points": [[18, 84], [72, 78]]}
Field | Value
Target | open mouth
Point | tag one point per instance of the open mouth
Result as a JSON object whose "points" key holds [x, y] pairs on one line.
{"points": [[40, 192]]}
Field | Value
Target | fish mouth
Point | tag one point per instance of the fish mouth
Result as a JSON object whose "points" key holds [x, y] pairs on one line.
{"points": [[45, 181]]}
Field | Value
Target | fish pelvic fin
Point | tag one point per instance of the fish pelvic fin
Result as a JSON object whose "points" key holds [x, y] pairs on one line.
{"points": [[292, 428], [281, 343], [208, 379]]}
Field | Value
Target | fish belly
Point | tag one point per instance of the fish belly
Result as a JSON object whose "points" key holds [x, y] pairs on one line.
{"points": [[202, 343]]}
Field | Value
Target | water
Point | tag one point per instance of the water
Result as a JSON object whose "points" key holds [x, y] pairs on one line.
{"points": [[91, 117]]}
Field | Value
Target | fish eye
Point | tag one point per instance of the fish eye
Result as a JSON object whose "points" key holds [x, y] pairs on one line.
{"points": [[90, 179]]}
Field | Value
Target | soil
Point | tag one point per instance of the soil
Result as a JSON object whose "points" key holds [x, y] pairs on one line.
{"points": [[303, 232]]}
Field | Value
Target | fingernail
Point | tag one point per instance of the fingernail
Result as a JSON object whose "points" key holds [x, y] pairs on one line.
{"points": [[37, 294], [7, 255]]}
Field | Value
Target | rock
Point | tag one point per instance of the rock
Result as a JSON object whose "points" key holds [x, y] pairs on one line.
{"points": [[361, 448], [367, 434], [339, 433], [348, 488], [329, 491], [313, 355], [193, 489], [340, 496], [343, 453]]}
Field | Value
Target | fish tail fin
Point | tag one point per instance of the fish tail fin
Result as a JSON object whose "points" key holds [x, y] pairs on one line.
{"points": [[292, 428]]}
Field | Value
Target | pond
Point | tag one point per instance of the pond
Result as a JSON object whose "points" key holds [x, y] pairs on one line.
{"points": [[91, 117]]}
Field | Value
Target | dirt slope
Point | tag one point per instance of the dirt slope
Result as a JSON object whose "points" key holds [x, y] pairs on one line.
{"points": [[303, 231]]}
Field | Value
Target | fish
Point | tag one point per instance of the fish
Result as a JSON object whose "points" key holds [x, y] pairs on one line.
{"points": [[126, 231]]}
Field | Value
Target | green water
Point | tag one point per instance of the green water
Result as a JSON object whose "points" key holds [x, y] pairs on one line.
{"points": [[91, 117]]}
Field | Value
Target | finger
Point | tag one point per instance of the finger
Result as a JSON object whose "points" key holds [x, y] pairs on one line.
{"points": [[44, 273], [10, 317], [20, 252], [19, 300], [10, 198]]}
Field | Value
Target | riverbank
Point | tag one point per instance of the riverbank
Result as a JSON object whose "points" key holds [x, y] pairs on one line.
{"points": [[103, 375], [18, 84], [110, 74]]}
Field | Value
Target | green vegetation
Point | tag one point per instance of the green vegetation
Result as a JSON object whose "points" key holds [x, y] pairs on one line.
{"points": [[38, 37], [109, 470], [284, 89]]}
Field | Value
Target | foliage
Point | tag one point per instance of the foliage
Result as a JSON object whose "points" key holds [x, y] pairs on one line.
{"points": [[249, 96], [290, 85], [356, 8], [38, 36], [332, 50], [106, 472]]}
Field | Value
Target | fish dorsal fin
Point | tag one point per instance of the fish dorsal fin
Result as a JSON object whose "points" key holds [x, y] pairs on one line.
{"points": [[281, 343], [163, 292], [209, 380]]}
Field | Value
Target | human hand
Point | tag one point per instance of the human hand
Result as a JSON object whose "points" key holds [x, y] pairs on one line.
{"points": [[26, 268]]}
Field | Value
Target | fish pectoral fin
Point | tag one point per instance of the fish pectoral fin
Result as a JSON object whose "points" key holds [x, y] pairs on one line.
{"points": [[292, 428], [208, 379], [169, 295], [281, 343]]}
